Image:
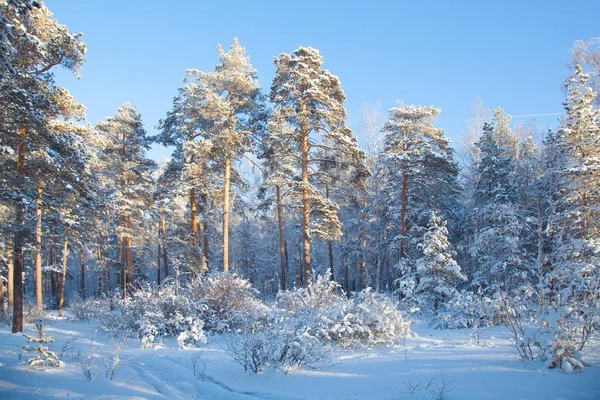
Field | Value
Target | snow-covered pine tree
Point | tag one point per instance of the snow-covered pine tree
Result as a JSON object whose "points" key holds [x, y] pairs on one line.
{"points": [[230, 100], [437, 271], [419, 175], [279, 169], [126, 171], [574, 277], [312, 102], [31, 46]]}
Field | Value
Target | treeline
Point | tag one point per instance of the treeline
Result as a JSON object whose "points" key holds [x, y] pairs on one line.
{"points": [[275, 188]]}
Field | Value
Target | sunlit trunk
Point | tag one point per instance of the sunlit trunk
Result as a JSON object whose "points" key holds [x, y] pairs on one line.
{"points": [[82, 268], [158, 253], [281, 242], [19, 239], [63, 280], [123, 254], [305, 199], [10, 280], [129, 253], [226, 184], [38, 250], [403, 214]]}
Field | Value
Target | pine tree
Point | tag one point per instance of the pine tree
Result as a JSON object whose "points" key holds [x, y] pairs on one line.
{"points": [[420, 175], [575, 272], [127, 173], [497, 222], [312, 102], [437, 271], [32, 45], [230, 101], [279, 169]]}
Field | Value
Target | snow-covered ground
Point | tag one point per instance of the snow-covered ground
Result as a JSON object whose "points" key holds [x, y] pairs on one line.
{"points": [[434, 364]]}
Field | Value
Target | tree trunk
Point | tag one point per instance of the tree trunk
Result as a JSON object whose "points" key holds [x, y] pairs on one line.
{"points": [[226, 184], [99, 268], [10, 280], [19, 239], [330, 244], [287, 259], [129, 253], [158, 256], [2, 305], [194, 229], [51, 274], [540, 256], [82, 265], [123, 254], [281, 242], [403, 215], [305, 199], [163, 228], [63, 280], [122, 240], [363, 256], [347, 279], [38, 250], [205, 240]]}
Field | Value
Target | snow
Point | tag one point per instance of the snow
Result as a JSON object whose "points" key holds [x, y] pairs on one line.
{"points": [[416, 369]]}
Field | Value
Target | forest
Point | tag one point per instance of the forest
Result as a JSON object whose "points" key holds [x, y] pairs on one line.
{"points": [[269, 225]]}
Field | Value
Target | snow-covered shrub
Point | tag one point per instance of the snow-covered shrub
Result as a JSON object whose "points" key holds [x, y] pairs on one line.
{"points": [[315, 310], [555, 343], [515, 315], [153, 313], [322, 311], [230, 303], [95, 309], [466, 310], [254, 352], [371, 319]]}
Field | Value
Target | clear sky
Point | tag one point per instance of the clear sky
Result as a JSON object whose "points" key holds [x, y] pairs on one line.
{"points": [[512, 54]]}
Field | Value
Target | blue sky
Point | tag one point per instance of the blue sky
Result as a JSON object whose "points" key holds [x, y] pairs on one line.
{"points": [[512, 54]]}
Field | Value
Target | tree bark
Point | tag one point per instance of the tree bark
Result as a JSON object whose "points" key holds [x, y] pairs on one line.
{"points": [[193, 269], [38, 249], [363, 256], [129, 252], [205, 240], [347, 279], [305, 198], [2, 305], [123, 253], [82, 266], [158, 238], [163, 227], [99, 268], [10, 280], [540, 256], [63, 280], [281, 242], [19, 239], [403, 215], [226, 184]]}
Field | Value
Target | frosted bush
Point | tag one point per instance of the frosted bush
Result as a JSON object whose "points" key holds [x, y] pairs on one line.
{"points": [[230, 303], [254, 352], [466, 310], [372, 319], [154, 313], [323, 312], [95, 309]]}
